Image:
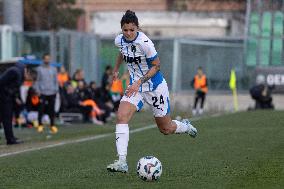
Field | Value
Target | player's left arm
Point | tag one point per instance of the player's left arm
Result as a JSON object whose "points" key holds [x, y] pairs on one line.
{"points": [[133, 89], [153, 70]]}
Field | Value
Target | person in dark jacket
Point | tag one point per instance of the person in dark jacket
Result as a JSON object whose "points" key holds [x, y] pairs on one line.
{"points": [[107, 76], [97, 115], [10, 82], [70, 103], [93, 93], [262, 94]]}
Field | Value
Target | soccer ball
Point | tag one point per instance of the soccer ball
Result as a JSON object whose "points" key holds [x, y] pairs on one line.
{"points": [[149, 168]]}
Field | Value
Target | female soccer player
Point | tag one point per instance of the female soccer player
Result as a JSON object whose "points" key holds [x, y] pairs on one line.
{"points": [[146, 85]]}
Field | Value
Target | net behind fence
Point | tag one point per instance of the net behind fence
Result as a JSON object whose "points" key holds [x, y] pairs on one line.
{"points": [[217, 58]]}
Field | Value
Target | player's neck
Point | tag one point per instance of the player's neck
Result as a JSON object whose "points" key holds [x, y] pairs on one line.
{"points": [[129, 41]]}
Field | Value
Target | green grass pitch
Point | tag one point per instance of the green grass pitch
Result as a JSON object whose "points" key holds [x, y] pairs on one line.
{"points": [[242, 150]]}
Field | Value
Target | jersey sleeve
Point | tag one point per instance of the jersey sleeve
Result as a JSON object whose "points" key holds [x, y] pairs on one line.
{"points": [[149, 49], [118, 41]]}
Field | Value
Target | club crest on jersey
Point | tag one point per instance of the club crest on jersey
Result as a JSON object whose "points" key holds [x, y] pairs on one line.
{"points": [[133, 48], [131, 60]]}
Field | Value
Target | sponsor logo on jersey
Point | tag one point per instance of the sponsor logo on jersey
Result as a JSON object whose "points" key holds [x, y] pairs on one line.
{"points": [[131, 60]]}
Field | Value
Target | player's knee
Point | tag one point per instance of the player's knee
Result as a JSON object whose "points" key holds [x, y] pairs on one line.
{"points": [[121, 117], [165, 131]]}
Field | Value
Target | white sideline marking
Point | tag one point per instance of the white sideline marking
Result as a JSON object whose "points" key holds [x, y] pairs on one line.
{"points": [[73, 141], [81, 140]]}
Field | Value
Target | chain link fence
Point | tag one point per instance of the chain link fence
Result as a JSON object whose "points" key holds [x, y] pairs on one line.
{"points": [[216, 57], [74, 50]]}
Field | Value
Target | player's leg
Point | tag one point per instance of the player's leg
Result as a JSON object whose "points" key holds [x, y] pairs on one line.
{"points": [[124, 114], [194, 110], [6, 117], [168, 126], [128, 106], [202, 97], [41, 110], [159, 101], [51, 113]]}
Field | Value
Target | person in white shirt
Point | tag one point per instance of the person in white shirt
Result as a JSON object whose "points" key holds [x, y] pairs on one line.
{"points": [[147, 84]]}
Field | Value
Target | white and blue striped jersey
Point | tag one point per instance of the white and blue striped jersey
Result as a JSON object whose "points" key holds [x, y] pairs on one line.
{"points": [[138, 54]]}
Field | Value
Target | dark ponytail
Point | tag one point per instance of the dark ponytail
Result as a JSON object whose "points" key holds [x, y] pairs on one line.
{"points": [[129, 17]]}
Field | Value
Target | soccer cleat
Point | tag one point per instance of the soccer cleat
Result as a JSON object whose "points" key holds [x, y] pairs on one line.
{"points": [[53, 129], [192, 131], [118, 166], [40, 129]]}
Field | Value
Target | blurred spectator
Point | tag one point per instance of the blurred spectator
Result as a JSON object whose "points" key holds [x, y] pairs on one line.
{"points": [[46, 86], [107, 77], [78, 76], [104, 95], [200, 85], [93, 91], [71, 103], [62, 76], [32, 102], [116, 92], [94, 94], [32, 107], [261, 93], [21, 109], [10, 82], [97, 115]]}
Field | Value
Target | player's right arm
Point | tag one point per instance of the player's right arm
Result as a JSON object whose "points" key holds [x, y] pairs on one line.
{"points": [[119, 60]]}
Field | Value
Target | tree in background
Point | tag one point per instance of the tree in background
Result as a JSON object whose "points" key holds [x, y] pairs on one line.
{"points": [[50, 14]]}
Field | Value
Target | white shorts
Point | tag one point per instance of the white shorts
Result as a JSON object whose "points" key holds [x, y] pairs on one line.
{"points": [[159, 100]]}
